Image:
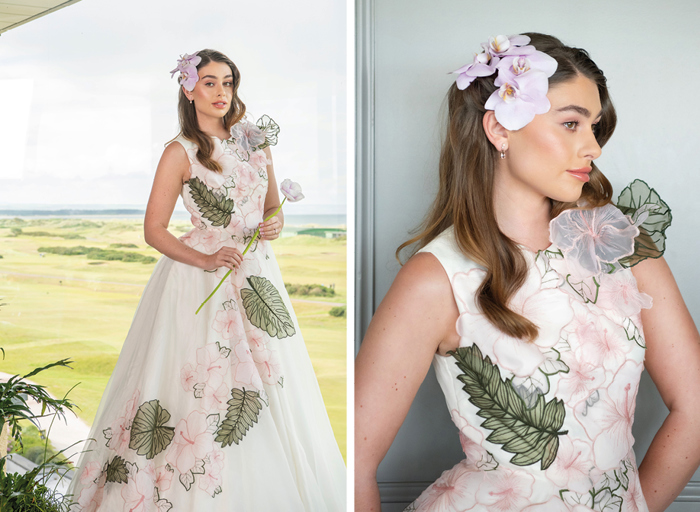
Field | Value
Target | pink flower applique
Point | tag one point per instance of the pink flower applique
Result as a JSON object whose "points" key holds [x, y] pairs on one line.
{"points": [[506, 490], [91, 496], [192, 442], [534, 301], [229, 324], [210, 482], [608, 422], [258, 160], [471, 439], [163, 477], [119, 433], [245, 372], [593, 240], [604, 342], [573, 465], [619, 292], [555, 504], [138, 492], [454, 490], [215, 398], [268, 364], [91, 472], [582, 379], [633, 498]]}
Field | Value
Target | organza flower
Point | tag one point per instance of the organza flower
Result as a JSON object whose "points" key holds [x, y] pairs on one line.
{"points": [[590, 239], [247, 135], [291, 190]]}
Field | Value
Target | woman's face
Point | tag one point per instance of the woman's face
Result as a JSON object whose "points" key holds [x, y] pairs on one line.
{"points": [[213, 92], [552, 155]]}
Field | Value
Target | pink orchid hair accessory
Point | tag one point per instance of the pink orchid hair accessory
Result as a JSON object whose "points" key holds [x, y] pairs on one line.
{"points": [[522, 80], [291, 191], [187, 66]]}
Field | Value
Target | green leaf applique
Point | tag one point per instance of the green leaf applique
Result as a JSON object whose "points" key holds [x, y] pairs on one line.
{"points": [[638, 198], [243, 410], [216, 209], [117, 471], [265, 308], [532, 434], [270, 129], [149, 435]]}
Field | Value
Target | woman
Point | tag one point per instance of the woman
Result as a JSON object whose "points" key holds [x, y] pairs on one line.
{"points": [[528, 293], [220, 409]]}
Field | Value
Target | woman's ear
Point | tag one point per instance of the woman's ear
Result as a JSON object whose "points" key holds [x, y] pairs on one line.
{"points": [[188, 94], [497, 135]]}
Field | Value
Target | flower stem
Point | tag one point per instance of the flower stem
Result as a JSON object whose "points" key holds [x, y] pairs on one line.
{"points": [[255, 236]]}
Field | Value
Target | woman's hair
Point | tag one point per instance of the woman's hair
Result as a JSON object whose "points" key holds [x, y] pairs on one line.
{"points": [[465, 196], [189, 127]]}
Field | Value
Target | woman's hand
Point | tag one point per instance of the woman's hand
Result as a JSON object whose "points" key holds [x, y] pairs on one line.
{"points": [[271, 229], [228, 257]]}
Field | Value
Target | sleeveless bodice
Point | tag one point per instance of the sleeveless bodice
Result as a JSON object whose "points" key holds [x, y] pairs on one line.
{"points": [[546, 425]]}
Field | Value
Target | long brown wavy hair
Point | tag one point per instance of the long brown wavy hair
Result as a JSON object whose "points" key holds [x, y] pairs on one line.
{"points": [[189, 127], [465, 196]]}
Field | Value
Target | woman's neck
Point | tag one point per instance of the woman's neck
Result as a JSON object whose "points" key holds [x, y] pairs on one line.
{"points": [[213, 127], [522, 214]]}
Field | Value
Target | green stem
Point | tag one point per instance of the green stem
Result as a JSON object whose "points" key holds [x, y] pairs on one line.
{"points": [[255, 236]]}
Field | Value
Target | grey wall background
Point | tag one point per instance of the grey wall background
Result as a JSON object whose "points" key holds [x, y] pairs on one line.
{"points": [[405, 48]]}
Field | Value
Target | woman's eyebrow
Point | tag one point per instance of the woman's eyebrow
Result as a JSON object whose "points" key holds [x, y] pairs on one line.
{"points": [[577, 108], [216, 77]]}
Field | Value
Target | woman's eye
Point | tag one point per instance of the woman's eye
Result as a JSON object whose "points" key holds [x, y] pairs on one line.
{"points": [[209, 83], [571, 125], [228, 84]]}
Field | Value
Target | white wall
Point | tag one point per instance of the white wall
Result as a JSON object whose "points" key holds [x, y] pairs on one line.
{"points": [[647, 50]]}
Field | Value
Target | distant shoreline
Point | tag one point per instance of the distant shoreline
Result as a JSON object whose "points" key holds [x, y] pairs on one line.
{"points": [[327, 220]]}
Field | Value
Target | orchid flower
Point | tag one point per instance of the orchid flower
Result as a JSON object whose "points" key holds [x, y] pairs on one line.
{"points": [[290, 190], [187, 66], [523, 74]]}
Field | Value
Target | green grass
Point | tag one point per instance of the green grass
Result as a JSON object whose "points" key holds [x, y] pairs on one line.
{"points": [[68, 306]]}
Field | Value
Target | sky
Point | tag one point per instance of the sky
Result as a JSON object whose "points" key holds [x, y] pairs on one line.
{"points": [[87, 102]]}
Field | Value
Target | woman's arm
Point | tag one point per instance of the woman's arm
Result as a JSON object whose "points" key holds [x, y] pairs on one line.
{"points": [[271, 229], [172, 172], [416, 316], [673, 362]]}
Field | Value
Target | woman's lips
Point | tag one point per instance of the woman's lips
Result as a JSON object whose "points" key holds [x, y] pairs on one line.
{"points": [[581, 174], [220, 104]]}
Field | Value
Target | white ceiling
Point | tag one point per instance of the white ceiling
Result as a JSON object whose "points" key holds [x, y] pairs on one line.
{"points": [[17, 12]]}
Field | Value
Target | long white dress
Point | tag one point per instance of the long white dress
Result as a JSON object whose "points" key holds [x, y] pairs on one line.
{"points": [[220, 410], [546, 425]]}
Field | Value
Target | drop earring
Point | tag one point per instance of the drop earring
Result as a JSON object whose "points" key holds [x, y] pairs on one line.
{"points": [[503, 151]]}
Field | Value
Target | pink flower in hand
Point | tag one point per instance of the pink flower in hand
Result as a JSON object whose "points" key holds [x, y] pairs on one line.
{"points": [[291, 190]]}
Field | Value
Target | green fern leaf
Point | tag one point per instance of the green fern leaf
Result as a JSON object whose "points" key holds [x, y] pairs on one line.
{"points": [[243, 410], [265, 308], [149, 435], [214, 208], [531, 434]]}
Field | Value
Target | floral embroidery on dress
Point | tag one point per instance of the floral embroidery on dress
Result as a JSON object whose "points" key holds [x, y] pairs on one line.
{"points": [[546, 425]]}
